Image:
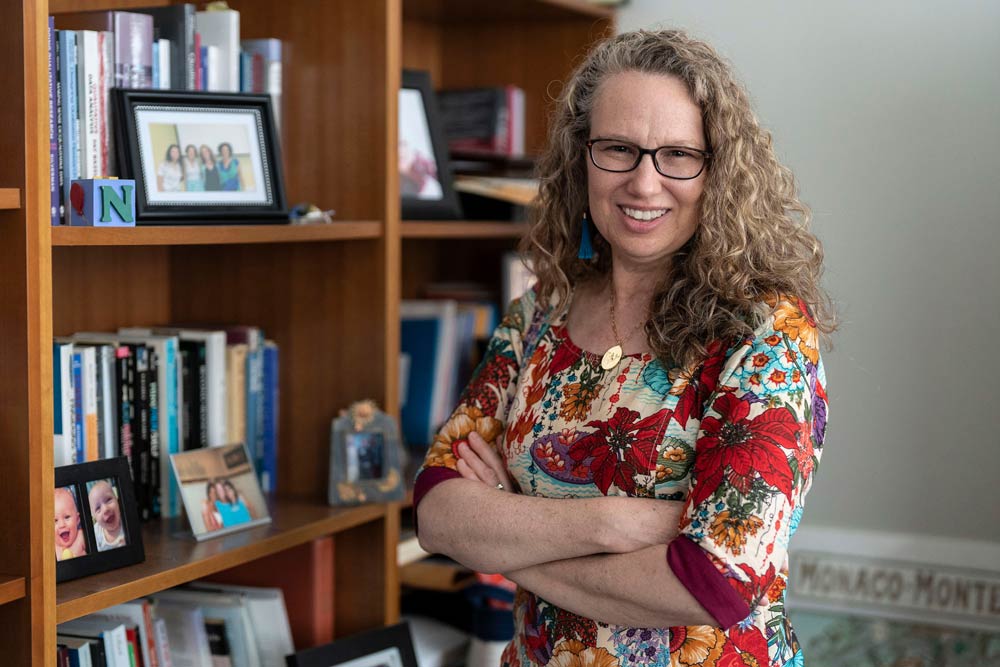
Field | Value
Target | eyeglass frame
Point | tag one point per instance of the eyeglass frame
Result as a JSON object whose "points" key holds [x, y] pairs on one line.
{"points": [[705, 155]]}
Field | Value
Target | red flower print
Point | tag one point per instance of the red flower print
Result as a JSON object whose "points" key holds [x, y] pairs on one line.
{"points": [[622, 447], [744, 448], [745, 648], [697, 391], [491, 381]]}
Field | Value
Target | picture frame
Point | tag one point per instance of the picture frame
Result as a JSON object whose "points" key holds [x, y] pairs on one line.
{"points": [[425, 178], [390, 646], [97, 519], [365, 457], [220, 490], [200, 157]]}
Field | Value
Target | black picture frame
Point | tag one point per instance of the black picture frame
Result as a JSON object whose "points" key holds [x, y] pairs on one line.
{"points": [[391, 646], [425, 179], [81, 479], [150, 123]]}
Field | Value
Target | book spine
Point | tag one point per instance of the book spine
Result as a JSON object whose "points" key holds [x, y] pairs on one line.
{"points": [[217, 382], [155, 431], [164, 55], [189, 50], [93, 449], [53, 129], [133, 50], [89, 87], [70, 113], [62, 385], [198, 66], [79, 435], [60, 141], [123, 386], [109, 392], [142, 444], [156, 65], [269, 467], [107, 43], [171, 444]]}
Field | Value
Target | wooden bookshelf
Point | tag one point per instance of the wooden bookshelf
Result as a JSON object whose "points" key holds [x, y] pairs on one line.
{"points": [[10, 198], [215, 234], [11, 588], [328, 295], [173, 557], [460, 229]]}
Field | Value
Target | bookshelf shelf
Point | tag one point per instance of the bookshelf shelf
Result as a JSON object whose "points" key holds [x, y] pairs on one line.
{"points": [[10, 198], [173, 559], [461, 10], [11, 588], [215, 234], [462, 229]]}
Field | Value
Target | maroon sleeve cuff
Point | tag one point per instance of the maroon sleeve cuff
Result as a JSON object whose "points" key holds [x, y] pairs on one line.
{"points": [[427, 480], [709, 587]]}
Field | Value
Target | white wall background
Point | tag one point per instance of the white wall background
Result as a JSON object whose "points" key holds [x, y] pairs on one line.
{"points": [[889, 114]]}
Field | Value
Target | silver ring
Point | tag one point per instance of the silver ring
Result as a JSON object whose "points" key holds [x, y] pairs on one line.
{"points": [[500, 486]]}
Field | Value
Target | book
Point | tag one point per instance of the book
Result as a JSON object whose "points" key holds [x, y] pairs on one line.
{"points": [[90, 83], [131, 64], [70, 135], [214, 422], [266, 71], [108, 632], [220, 29], [176, 24], [164, 52], [268, 470], [236, 377], [230, 613], [64, 450], [517, 277], [53, 129], [79, 649], [428, 334], [140, 614], [183, 624]]}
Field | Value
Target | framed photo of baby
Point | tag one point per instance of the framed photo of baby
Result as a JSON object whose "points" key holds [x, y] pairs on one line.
{"points": [[96, 519], [200, 157]]}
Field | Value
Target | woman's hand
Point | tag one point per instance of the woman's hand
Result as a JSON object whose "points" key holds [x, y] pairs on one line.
{"points": [[480, 462]]}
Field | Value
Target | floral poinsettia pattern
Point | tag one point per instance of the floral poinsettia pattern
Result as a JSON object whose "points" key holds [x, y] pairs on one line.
{"points": [[737, 436]]}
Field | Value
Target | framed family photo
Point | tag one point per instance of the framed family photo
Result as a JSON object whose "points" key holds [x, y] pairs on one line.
{"points": [[425, 181], [96, 519], [365, 457], [220, 490], [200, 157], [385, 647]]}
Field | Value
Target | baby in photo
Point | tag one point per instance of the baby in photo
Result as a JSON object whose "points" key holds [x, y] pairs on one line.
{"points": [[70, 541], [108, 527]]}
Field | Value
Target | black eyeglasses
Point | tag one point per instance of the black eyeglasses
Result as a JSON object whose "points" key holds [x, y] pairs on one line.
{"points": [[677, 162]]}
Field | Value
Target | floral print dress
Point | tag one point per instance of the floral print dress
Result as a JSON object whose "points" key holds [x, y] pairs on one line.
{"points": [[737, 439]]}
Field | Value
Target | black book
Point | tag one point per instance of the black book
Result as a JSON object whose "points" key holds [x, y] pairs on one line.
{"points": [[194, 410], [154, 432]]}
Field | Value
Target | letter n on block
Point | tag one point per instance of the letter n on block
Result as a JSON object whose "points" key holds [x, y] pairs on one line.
{"points": [[102, 203]]}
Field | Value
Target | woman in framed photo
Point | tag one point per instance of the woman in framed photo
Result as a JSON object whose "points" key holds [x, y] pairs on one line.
{"points": [[194, 178], [209, 169], [229, 168], [170, 174]]}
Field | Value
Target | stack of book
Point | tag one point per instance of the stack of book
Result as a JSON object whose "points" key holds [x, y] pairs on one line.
{"points": [[173, 47], [486, 120], [146, 393], [201, 625], [442, 339]]}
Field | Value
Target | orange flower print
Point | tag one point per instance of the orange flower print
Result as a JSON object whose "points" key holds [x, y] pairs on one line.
{"points": [[776, 589], [793, 319], [699, 645], [730, 530], [551, 459], [577, 398], [760, 360], [573, 653], [773, 340], [464, 421]]}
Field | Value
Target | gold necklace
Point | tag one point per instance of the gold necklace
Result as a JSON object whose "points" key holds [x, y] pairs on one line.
{"points": [[614, 354]]}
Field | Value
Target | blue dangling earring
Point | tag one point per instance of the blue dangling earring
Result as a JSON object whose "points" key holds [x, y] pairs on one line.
{"points": [[586, 248]]}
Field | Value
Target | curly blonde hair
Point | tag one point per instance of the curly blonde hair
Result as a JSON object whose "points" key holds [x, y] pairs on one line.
{"points": [[752, 245]]}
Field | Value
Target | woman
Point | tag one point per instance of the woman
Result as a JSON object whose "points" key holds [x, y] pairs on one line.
{"points": [[229, 168], [209, 170], [170, 175], [636, 446], [194, 179], [209, 514], [230, 505]]}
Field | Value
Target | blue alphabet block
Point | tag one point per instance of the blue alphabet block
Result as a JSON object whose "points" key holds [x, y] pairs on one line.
{"points": [[102, 203]]}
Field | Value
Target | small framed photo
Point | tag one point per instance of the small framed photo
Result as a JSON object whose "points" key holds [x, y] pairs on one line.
{"points": [[200, 157], [220, 490], [365, 457], [425, 182], [96, 519], [385, 647]]}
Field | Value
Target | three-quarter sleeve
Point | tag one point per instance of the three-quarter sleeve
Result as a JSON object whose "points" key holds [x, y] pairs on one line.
{"points": [[485, 401], [759, 443]]}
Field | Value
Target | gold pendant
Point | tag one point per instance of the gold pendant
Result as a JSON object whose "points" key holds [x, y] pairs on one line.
{"points": [[611, 357]]}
